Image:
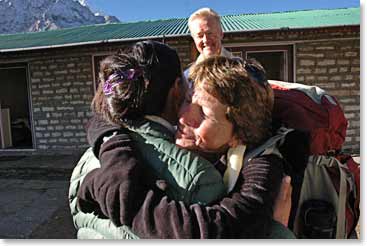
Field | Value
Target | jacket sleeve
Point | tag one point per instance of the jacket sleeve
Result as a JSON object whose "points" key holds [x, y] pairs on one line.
{"points": [[114, 190], [245, 213], [97, 128]]}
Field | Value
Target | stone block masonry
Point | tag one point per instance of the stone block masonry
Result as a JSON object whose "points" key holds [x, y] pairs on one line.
{"points": [[61, 100], [334, 66]]}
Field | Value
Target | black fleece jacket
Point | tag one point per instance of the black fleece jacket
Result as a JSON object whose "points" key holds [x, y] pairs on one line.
{"points": [[125, 191]]}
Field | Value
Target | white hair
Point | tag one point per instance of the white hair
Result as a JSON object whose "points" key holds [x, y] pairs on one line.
{"points": [[204, 13]]}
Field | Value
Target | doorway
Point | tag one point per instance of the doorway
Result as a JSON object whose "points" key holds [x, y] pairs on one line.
{"points": [[15, 120]]}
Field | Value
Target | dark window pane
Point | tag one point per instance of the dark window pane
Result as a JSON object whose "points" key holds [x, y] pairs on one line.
{"points": [[14, 104], [273, 63]]}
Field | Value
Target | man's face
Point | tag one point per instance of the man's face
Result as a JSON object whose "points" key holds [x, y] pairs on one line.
{"points": [[203, 124], [207, 35]]}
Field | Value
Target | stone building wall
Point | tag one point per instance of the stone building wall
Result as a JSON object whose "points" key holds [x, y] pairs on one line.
{"points": [[61, 91], [61, 79]]}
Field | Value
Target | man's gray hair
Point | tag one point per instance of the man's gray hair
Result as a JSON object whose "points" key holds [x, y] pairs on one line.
{"points": [[204, 13]]}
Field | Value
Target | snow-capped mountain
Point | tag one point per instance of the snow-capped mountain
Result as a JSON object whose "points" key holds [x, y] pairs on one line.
{"points": [[38, 15]]}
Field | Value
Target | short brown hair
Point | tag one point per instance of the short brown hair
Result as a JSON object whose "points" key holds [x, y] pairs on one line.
{"points": [[249, 101]]}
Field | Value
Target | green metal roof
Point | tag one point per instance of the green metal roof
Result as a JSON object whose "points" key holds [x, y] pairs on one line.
{"points": [[177, 27]]}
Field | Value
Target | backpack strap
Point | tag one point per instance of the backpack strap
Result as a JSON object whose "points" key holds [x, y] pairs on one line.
{"points": [[341, 224], [341, 221], [237, 159], [270, 146]]}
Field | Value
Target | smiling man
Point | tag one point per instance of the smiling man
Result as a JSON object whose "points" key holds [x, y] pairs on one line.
{"points": [[206, 30]]}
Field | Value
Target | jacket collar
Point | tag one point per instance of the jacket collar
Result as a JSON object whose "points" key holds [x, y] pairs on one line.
{"points": [[162, 122]]}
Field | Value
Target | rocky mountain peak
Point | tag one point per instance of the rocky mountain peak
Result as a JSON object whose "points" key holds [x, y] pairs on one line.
{"points": [[39, 15]]}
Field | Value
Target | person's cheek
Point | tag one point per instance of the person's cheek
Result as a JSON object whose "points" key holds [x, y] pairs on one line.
{"points": [[201, 45], [198, 44], [205, 137], [199, 137], [216, 44]]}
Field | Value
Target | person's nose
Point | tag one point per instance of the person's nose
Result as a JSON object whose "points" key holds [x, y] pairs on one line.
{"points": [[188, 116], [205, 39]]}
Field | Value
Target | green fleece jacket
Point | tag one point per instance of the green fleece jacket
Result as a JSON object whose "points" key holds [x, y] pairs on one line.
{"points": [[185, 175]]}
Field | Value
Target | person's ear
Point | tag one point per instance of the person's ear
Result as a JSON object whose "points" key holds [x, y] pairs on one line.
{"points": [[173, 103], [234, 141], [177, 95], [221, 34], [177, 91]]}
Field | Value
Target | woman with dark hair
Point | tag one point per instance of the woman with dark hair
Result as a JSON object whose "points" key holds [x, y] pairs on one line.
{"points": [[135, 94]]}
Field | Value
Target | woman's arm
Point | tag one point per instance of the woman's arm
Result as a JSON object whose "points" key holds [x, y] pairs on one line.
{"points": [[118, 187], [245, 213], [283, 202]]}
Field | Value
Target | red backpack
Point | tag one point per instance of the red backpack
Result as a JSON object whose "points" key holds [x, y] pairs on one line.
{"points": [[310, 108], [328, 203]]}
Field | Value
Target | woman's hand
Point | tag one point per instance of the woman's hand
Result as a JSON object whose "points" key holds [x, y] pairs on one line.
{"points": [[283, 202]]}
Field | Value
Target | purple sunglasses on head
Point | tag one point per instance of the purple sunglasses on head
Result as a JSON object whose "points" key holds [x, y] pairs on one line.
{"points": [[118, 78]]}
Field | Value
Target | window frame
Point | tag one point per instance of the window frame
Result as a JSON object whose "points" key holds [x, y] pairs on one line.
{"points": [[287, 49]]}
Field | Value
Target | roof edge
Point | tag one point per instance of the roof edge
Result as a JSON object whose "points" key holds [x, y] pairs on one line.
{"points": [[292, 29], [90, 43], [161, 36]]}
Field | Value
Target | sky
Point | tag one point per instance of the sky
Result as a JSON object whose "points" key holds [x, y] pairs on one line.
{"points": [[138, 10]]}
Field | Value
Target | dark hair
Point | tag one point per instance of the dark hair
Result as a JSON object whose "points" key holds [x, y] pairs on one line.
{"points": [[156, 67]]}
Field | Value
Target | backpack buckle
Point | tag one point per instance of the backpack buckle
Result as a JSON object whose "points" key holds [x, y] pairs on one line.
{"points": [[322, 160]]}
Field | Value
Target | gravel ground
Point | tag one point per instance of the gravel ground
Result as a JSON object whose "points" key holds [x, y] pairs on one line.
{"points": [[60, 226]]}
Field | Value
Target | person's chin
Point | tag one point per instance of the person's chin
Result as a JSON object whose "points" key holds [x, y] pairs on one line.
{"points": [[185, 143], [208, 53]]}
